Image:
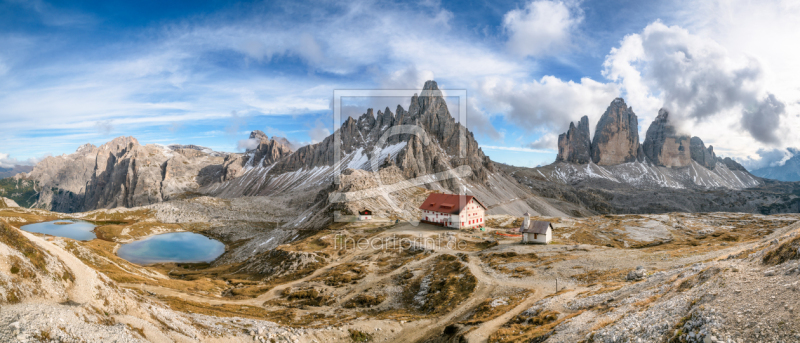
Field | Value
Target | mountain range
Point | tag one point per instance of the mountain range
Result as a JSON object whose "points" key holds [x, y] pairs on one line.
{"points": [[788, 171], [14, 170], [390, 160]]}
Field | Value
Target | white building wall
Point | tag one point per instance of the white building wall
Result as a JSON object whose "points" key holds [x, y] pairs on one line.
{"points": [[541, 239], [472, 216]]}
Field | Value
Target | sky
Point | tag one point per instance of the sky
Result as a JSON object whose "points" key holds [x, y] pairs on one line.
{"points": [[209, 72]]}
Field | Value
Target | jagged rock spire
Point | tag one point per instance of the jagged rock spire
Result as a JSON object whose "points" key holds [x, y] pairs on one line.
{"points": [[575, 146], [664, 146], [616, 138]]}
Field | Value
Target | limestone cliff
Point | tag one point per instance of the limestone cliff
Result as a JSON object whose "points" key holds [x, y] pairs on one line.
{"points": [[575, 146], [664, 146], [700, 154], [267, 151], [616, 137], [122, 173]]}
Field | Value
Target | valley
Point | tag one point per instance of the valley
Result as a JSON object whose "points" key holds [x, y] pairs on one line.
{"points": [[618, 276]]}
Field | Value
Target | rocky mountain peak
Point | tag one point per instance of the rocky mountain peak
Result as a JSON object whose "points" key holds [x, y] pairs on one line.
{"points": [[267, 152], [616, 137], [575, 146], [427, 110], [701, 155], [85, 148], [120, 145], [259, 135], [664, 146], [732, 165], [430, 85]]}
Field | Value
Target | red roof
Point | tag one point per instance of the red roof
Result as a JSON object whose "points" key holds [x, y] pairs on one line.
{"points": [[447, 203]]}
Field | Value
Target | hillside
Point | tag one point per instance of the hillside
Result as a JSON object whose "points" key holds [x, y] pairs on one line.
{"points": [[655, 277]]}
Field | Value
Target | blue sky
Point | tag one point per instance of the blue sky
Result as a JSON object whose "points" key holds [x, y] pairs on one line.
{"points": [[208, 72]]}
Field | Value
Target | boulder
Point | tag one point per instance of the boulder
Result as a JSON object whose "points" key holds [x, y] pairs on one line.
{"points": [[616, 138], [575, 146], [664, 146], [636, 274]]}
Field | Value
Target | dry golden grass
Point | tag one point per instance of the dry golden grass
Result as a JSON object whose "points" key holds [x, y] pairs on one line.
{"points": [[19, 217], [301, 297], [13, 238], [485, 312], [343, 274], [450, 283], [603, 323], [365, 301], [789, 250], [596, 276], [526, 329]]}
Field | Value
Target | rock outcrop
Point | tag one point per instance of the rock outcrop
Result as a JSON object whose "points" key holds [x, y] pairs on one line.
{"points": [[6, 202], [700, 154], [732, 165], [267, 152], [122, 173], [575, 146], [616, 138], [664, 146]]}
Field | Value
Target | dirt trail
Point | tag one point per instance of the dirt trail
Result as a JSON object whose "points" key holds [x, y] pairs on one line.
{"points": [[370, 282], [258, 301], [82, 290], [423, 329], [481, 334]]}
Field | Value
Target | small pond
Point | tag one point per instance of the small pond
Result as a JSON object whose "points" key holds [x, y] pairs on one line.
{"points": [[183, 247], [75, 229]]}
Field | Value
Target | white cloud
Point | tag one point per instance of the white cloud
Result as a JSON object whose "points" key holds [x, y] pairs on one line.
{"points": [[6, 161], [548, 140], [768, 158], [247, 144], [695, 78], [541, 28], [548, 104]]}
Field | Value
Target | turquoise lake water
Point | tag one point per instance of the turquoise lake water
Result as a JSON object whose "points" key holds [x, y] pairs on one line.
{"points": [[172, 247], [78, 230]]}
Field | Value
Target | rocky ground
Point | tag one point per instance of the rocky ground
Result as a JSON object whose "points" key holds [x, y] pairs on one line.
{"points": [[628, 278]]}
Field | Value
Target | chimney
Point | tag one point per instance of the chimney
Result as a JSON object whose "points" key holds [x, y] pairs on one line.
{"points": [[526, 220]]}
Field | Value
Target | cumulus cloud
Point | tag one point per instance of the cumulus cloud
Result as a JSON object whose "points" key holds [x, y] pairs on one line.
{"points": [[6, 161], [546, 141], [247, 144], [695, 78], [541, 27], [548, 104], [762, 120]]}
